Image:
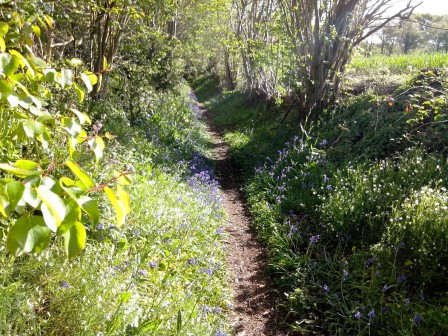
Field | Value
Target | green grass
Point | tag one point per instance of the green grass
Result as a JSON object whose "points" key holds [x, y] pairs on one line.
{"points": [[397, 64]]}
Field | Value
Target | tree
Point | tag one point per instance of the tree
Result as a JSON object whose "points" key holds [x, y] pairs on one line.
{"points": [[324, 34], [409, 36]]}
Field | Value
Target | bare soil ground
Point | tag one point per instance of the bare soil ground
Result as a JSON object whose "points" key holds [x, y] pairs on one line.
{"points": [[253, 296]]}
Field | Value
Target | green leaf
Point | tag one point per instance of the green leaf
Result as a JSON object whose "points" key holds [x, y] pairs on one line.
{"points": [[36, 30], [28, 235], [5, 89], [118, 206], [87, 82], [93, 79], [44, 139], [73, 215], [98, 146], [22, 168], [124, 199], [5, 59], [124, 180], [79, 173], [80, 92], [83, 118], [64, 78], [10, 196], [4, 28], [71, 126], [13, 100], [75, 240], [30, 196], [2, 44], [90, 207], [53, 208], [40, 63], [9, 64], [179, 321], [27, 164], [71, 187], [33, 128]]}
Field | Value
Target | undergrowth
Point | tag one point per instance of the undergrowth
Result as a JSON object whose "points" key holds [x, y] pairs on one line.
{"points": [[163, 272], [353, 210]]}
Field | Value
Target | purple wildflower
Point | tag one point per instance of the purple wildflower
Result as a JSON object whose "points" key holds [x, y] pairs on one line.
{"points": [[64, 284], [417, 319], [345, 273], [192, 261], [314, 239], [369, 262], [357, 315], [402, 278], [371, 314], [326, 289]]}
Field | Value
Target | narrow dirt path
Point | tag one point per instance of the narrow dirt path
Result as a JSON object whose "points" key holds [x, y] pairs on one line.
{"points": [[254, 300]]}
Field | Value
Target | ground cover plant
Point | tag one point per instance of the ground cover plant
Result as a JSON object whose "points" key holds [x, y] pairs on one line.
{"points": [[162, 273], [353, 210]]}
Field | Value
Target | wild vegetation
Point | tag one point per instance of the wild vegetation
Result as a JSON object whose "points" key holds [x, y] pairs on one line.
{"points": [[111, 220], [352, 208]]}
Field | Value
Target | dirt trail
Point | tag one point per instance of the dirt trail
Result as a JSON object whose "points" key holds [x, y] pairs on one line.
{"points": [[254, 300]]}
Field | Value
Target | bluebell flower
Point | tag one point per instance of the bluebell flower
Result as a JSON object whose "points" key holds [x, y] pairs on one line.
{"points": [[421, 296], [399, 246], [369, 262], [407, 302], [217, 310], [153, 264], [326, 289], [64, 284], [192, 261], [345, 273], [402, 278], [417, 319], [371, 314], [357, 315], [314, 239]]}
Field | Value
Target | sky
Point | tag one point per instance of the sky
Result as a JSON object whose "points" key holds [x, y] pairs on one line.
{"points": [[439, 7]]}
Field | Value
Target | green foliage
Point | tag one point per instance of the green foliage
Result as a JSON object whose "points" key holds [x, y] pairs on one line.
{"points": [[160, 274], [362, 197], [419, 223], [36, 193], [343, 206]]}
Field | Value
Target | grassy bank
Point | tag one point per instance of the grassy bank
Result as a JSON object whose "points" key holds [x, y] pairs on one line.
{"points": [[353, 210], [162, 273]]}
